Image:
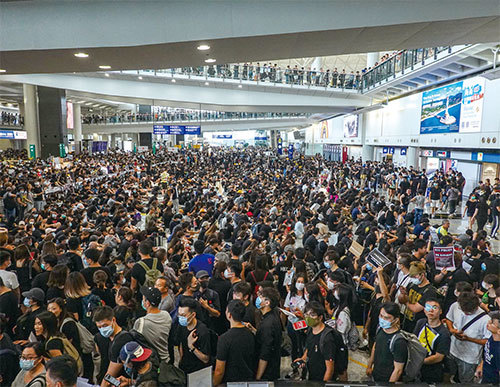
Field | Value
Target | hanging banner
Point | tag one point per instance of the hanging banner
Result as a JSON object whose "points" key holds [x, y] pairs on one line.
{"points": [[290, 151], [280, 146]]}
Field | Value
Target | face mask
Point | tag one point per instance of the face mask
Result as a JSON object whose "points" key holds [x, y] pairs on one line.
{"points": [[327, 264], [143, 306], [384, 324], [124, 281], [196, 288], [306, 296], [26, 302], [258, 302], [183, 321], [106, 331], [336, 294], [456, 293], [43, 266], [311, 322], [416, 281], [485, 285], [227, 274], [369, 267], [26, 364], [204, 284], [483, 266], [299, 286], [330, 284]]}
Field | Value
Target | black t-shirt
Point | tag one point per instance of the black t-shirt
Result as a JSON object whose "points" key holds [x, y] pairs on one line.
{"points": [[384, 359], [315, 358], [190, 362], [103, 346], [138, 271], [117, 343], [268, 344], [435, 340], [8, 306], [88, 273], [40, 281], [237, 348], [250, 315], [54, 293], [70, 330], [375, 306], [72, 260], [435, 193], [75, 305], [54, 343], [419, 295]]}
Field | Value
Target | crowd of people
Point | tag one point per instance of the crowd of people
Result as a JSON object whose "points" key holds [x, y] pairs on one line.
{"points": [[9, 118], [138, 269], [177, 114]]}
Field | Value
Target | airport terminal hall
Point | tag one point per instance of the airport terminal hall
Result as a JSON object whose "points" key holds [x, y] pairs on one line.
{"points": [[260, 193]]}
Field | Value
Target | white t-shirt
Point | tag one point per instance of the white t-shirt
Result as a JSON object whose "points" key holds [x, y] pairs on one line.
{"points": [[465, 350], [9, 279], [294, 302]]}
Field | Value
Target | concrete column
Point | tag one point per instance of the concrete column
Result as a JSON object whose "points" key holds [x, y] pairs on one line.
{"points": [[31, 118], [412, 157], [367, 152], [372, 58], [77, 127], [112, 142]]}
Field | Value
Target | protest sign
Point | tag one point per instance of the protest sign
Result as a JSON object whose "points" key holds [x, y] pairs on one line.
{"points": [[443, 257], [356, 249], [377, 259]]}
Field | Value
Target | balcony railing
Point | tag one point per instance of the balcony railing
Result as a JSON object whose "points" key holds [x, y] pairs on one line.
{"points": [[97, 119]]}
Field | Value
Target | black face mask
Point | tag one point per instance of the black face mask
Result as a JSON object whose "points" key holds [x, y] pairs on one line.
{"points": [[204, 284]]}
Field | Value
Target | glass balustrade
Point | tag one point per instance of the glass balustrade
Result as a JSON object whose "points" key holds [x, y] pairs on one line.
{"points": [[184, 117]]}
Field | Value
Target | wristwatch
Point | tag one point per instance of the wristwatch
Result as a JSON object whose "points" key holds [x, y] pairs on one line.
{"points": [[192, 350]]}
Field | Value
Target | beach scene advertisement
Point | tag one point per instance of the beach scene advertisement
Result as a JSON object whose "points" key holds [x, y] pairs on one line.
{"points": [[441, 109]]}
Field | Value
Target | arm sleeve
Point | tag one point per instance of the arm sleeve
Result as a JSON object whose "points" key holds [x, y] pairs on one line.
{"points": [[443, 344], [265, 335], [329, 348], [203, 343], [222, 349], [400, 351]]}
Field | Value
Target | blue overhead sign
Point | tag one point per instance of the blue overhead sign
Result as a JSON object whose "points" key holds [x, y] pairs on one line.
{"points": [[176, 129], [222, 136], [13, 134], [388, 150], [403, 151], [260, 138]]}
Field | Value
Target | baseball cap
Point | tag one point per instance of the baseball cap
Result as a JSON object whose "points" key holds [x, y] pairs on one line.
{"points": [[201, 274], [153, 295], [133, 351], [35, 294]]}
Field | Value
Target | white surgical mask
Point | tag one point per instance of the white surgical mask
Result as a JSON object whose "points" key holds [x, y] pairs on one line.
{"points": [[299, 286], [330, 284]]}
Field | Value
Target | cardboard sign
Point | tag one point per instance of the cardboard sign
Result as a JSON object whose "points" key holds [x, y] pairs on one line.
{"points": [[356, 249], [377, 259], [434, 235], [443, 257], [299, 325]]}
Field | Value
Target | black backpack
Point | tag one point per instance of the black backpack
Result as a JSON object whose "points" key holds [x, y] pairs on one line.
{"points": [[341, 352]]}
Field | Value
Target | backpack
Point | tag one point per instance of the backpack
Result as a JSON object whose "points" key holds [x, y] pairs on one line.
{"points": [[416, 354], [152, 274], [86, 338], [71, 351], [89, 304], [170, 375], [256, 283], [341, 352], [353, 335]]}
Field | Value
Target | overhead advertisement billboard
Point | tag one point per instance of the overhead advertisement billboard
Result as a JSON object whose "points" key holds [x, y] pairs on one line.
{"points": [[453, 108], [351, 126]]}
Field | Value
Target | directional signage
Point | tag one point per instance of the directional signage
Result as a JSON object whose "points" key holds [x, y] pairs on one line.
{"points": [[13, 134], [176, 129]]}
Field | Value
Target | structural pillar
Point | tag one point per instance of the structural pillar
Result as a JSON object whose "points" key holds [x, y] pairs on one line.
{"points": [[77, 126], [52, 120], [372, 58], [412, 157], [367, 152], [31, 118], [112, 142]]}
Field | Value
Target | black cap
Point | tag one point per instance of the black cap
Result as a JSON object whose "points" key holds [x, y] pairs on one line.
{"points": [[153, 295]]}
